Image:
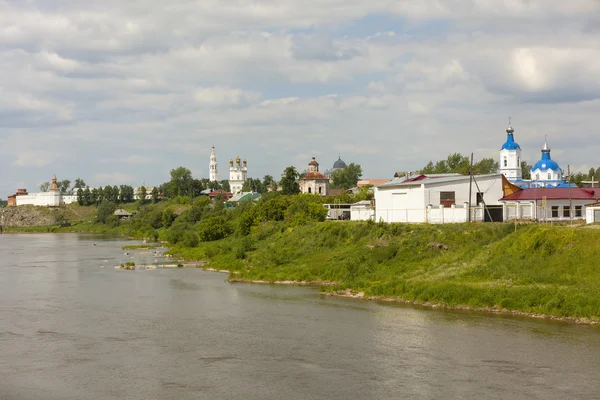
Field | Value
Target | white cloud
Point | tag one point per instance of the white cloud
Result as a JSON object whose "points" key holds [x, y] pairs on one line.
{"points": [[113, 178], [278, 82], [33, 159], [219, 96]]}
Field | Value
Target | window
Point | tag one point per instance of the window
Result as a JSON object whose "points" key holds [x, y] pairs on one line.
{"points": [[309, 190], [554, 211], [479, 198], [549, 176], [537, 177], [320, 189], [566, 212], [578, 211], [505, 162], [447, 198]]}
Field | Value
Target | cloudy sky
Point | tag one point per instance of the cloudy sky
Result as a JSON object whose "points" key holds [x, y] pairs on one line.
{"points": [[121, 92]]}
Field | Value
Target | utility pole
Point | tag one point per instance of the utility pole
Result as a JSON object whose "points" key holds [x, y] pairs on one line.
{"points": [[570, 197], [470, 185]]}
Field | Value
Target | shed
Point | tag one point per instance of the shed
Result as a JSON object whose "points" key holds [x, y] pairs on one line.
{"points": [[122, 214], [362, 211], [592, 213]]}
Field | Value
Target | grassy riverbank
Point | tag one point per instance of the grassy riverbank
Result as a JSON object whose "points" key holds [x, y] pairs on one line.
{"points": [[537, 269]]}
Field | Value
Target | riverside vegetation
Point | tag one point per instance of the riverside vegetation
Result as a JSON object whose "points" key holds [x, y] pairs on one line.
{"points": [[529, 268]]}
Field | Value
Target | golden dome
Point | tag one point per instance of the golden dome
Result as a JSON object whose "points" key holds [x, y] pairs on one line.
{"points": [[237, 160]]}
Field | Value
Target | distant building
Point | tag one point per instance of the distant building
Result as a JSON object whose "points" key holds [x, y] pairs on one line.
{"points": [[546, 173], [213, 170], [51, 198], [438, 198], [338, 164], [238, 173], [313, 181]]}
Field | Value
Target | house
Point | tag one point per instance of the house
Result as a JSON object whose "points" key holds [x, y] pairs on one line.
{"points": [[548, 204], [592, 213], [362, 211], [439, 198], [122, 214], [215, 193]]}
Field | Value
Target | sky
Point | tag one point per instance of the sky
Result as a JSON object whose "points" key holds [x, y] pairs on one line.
{"points": [[121, 92]]}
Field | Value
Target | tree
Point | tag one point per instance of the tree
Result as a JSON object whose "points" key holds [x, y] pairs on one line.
{"points": [[155, 195], [225, 185], [289, 184], [3, 203], [196, 187], [64, 185], [591, 174], [126, 194], [80, 197], [168, 216], [268, 181], [525, 170], [44, 187], [142, 195], [180, 184], [87, 197], [79, 184], [459, 164], [347, 177], [253, 185], [105, 210]]}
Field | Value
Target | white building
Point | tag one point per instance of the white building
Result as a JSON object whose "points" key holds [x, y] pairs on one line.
{"points": [[51, 198], [238, 174], [442, 198], [362, 211], [510, 157], [314, 181], [548, 204], [213, 170], [592, 213]]}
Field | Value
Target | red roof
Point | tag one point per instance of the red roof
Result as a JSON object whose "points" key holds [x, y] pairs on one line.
{"points": [[314, 176], [553, 194], [215, 193]]}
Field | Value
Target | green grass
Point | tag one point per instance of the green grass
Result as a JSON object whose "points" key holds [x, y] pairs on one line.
{"points": [[537, 269], [138, 247]]}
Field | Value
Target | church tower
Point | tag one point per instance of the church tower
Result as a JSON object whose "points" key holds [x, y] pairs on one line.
{"points": [[238, 174], [510, 157], [213, 174]]}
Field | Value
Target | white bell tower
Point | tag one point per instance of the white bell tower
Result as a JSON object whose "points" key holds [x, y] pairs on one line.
{"points": [[510, 157], [213, 174]]}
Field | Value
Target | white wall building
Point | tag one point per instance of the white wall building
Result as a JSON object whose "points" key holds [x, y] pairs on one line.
{"points": [[548, 204], [362, 211], [442, 198], [213, 170], [238, 173], [51, 198], [592, 213]]}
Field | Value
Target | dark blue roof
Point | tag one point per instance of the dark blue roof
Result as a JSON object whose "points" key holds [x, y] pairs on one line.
{"points": [[546, 163], [510, 143], [339, 164]]}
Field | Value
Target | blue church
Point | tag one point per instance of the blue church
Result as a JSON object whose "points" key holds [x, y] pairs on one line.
{"points": [[546, 173]]}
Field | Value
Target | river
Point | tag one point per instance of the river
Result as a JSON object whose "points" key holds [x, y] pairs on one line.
{"points": [[73, 327]]}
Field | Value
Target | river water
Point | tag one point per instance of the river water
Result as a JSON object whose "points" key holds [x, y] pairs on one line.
{"points": [[73, 327]]}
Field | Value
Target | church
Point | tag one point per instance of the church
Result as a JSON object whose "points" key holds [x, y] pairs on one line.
{"points": [[546, 173], [238, 172]]}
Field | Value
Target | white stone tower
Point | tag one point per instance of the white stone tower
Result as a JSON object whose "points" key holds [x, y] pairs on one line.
{"points": [[213, 174], [237, 175], [510, 157]]}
